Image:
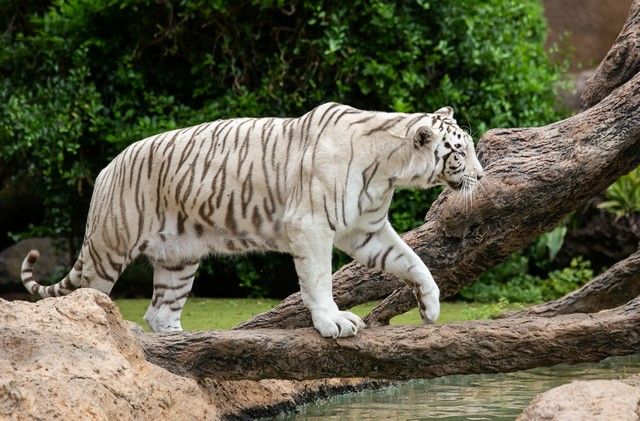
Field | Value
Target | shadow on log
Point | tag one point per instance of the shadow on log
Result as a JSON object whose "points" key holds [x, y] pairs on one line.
{"points": [[534, 177], [406, 352]]}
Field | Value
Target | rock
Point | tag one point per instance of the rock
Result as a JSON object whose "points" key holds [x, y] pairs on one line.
{"points": [[74, 358], [586, 400], [53, 260], [265, 398], [634, 380]]}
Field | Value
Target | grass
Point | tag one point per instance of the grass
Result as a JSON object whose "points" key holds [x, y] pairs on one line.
{"points": [[223, 313]]}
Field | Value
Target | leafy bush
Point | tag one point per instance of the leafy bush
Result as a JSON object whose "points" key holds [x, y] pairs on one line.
{"points": [[623, 196], [545, 248], [511, 282], [564, 281], [526, 276], [85, 78]]}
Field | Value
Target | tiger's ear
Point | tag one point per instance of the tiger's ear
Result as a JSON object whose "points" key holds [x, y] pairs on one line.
{"points": [[446, 112], [423, 136]]}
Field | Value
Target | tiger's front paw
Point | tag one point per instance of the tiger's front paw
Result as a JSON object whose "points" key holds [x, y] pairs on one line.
{"points": [[428, 303], [337, 324]]}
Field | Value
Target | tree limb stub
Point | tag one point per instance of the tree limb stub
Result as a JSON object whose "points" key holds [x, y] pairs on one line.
{"points": [[621, 63], [615, 286], [534, 178], [406, 352]]}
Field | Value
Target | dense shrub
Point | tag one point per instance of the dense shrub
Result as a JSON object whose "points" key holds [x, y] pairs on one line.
{"points": [[85, 78], [530, 276], [522, 287]]}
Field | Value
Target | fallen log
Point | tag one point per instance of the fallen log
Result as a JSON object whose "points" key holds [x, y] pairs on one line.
{"points": [[406, 352], [615, 286]]}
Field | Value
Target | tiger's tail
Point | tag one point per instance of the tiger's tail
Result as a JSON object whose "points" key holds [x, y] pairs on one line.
{"points": [[67, 285]]}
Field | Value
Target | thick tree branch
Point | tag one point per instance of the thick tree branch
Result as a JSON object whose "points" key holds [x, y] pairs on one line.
{"points": [[617, 285], [621, 63], [399, 352]]}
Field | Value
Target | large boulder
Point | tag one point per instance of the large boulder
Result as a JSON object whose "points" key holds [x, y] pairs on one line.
{"points": [[75, 358], [53, 260], [586, 400]]}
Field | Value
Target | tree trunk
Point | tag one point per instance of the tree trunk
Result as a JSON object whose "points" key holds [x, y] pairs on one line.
{"points": [[614, 287], [534, 178], [406, 352], [620, 65]]}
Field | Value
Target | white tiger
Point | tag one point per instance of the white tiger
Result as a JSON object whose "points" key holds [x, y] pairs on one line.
{"points": [[295, 185]]}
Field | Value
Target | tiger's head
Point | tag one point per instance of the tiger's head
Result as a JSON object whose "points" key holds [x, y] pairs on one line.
{"points": [[450, 150]]}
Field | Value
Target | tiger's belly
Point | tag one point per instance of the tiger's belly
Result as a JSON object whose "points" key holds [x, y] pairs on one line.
{"points": [[196, 239], [246, 242]]}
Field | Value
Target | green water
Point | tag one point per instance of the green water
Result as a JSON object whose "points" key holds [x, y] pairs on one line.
{"points": [[468, 397]]}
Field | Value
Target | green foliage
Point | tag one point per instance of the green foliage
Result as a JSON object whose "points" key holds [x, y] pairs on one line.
{"points": [[409, 207], [249, 278], [511, 281], [545, 248], [85, 78], [564, 281], [623, 196], [489, 311]]}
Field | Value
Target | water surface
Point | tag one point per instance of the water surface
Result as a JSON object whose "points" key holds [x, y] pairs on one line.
{"points": [[460, 397]]}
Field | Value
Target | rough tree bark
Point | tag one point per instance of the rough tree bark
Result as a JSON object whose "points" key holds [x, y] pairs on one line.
{"points": [[534, 177], [406, 352], [617, 285]]}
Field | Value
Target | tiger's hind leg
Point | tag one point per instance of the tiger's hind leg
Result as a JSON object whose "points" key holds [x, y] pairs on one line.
{"points": [[171, 287], [100, 266]]}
